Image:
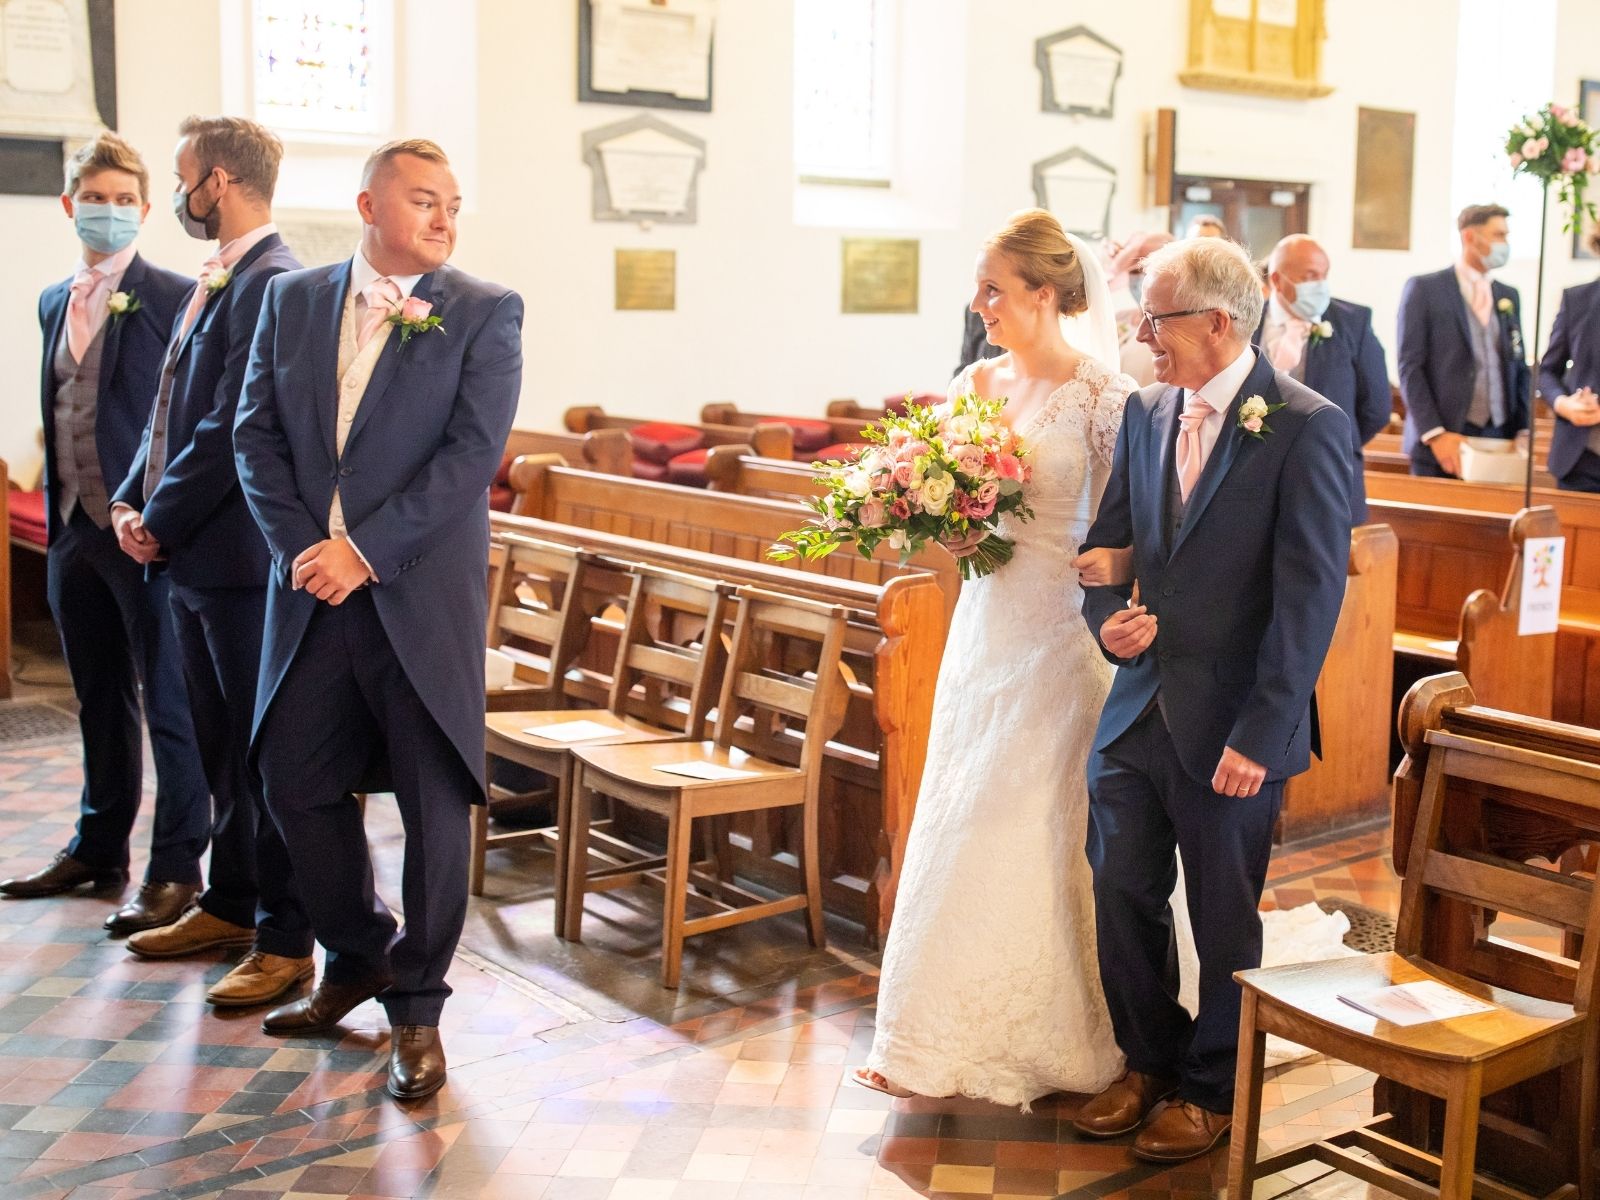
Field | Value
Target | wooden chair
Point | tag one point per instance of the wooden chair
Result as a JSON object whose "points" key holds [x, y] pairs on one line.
{"points": [[533, 621], [661, 690], [765, 692], [1546, 1024]]}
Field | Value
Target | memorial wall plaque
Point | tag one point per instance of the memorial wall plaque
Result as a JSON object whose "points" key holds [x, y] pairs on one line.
{"points": [[1385, 143], [644, 170], [647, 280], [880, 275], [648, 53], [46, 70]]}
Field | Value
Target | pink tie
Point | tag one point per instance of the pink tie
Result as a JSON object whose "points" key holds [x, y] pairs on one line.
{"points": [[1482, 303], [208, 269], [1291, 343], [1191, 452], [383, 300], [80, 329]]}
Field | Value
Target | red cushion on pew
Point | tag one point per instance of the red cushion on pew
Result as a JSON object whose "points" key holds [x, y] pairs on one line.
{"points": [[502, 477], [845, 451], [27, 516], [661, 441], [809, 436], [501, 498], [689, 469], [643, 468]]}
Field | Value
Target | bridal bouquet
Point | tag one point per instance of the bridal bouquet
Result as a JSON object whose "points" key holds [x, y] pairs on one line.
{"points": [[938, 473]]}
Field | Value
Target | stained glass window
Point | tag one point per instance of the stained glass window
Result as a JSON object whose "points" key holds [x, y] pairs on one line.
{"points": [[844, 89], [322, 66]]}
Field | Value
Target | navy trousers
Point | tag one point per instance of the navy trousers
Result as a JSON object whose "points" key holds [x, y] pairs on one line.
{"points": [[344, 706], [116, 633], [1142, 806], [251, 883], [1584, 476]]}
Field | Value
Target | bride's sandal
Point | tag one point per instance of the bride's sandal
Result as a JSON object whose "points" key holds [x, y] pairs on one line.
{"points": [[875, 1082]]}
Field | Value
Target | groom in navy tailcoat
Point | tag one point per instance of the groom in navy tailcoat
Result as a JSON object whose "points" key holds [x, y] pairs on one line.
{"points": [[1232, 484], [376, 407]]}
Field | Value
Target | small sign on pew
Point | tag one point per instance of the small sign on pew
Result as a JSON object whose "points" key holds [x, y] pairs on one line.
{"points": [[572, 731], [1541, 585], [1415, 1003]]}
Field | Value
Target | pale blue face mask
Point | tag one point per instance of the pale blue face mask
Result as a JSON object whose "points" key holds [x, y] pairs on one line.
{"points": [[1499, 255], [106, 228], [1311, 299]]}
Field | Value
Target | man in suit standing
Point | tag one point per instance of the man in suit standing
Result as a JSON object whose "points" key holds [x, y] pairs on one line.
{"points": [[377, 404], [1463, 372], [1328, 345], [105, 330], [1231, 482], [1569, 373], [180, 510]]}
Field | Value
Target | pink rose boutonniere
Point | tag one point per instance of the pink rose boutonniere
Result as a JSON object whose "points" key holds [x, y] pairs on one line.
{"points": [[415, 316]]}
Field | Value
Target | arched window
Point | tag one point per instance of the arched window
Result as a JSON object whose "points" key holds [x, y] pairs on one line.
{"points": [[325, 67]]}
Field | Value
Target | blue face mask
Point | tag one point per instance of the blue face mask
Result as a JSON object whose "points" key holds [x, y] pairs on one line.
{"points": [[1310, 299], [106, 228], [1499, 255]]}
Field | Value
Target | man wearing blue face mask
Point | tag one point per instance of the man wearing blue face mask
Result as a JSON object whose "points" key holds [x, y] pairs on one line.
{"points": [[105, 329], [1326, 344], [1463, 369]]}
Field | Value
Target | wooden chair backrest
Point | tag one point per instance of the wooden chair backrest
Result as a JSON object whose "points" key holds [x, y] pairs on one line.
{"points": [[671, 648], [1454, 873], [533, 618], [1507, 669], [784, 666]]}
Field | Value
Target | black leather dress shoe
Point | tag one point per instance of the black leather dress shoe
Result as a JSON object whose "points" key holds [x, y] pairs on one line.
{"points": [[416, 1062], [156, 904], [62, 875], [324, 1008]]}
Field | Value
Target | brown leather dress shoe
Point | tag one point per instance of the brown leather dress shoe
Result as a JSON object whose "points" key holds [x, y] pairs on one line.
{"points": [[260, 978], [1182, 1131], [62, 875], [323, 1009], [194, 931], [1122, 1106], [416, 1062], [157, 904]]}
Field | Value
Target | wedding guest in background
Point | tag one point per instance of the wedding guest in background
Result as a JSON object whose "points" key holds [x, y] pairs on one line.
{"points": [[1125, 272], [1206, 225], [1462, 368], [1328, 345], [105, 330], [379, 530], [1569, 375], [180, 510]]}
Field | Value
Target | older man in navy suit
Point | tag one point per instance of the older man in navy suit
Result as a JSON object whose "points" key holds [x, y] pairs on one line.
{"points": [[1231, 482], [1569, 374], [180, 510], [1463, 371], [378, 401], [105, 330], [1328, 345]]}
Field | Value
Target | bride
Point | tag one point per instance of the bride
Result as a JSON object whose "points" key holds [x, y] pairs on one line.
{"points": [[990, 987]]}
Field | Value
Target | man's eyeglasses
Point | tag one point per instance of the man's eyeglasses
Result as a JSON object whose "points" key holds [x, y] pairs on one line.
{"points": [[1155, 319]]}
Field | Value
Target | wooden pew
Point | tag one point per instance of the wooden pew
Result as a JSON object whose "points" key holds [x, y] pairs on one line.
{"points": [[729, 469], [840, 429], [1383, 453], [770, 441], [1577, 678], [1521, 1129], [1447, 557], [873, 767], [607, 451]]}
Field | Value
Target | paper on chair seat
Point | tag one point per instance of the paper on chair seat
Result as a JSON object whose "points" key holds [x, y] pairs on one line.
{"points": [[705, 770], [572, 731], [1415, 1003]]}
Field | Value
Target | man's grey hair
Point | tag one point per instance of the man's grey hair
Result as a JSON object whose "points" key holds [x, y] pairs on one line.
{"points": [[1210, 273]]}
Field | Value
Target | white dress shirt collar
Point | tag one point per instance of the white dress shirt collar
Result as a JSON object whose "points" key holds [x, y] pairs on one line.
{"points": [[113, 268], [363, 273], [1224, 386], [244, 243]]}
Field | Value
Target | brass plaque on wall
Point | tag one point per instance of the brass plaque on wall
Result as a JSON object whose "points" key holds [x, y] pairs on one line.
{"points": [[880, 275], [647, 280], [1385, 144]]}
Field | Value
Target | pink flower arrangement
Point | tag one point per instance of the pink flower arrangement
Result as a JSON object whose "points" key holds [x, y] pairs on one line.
{"points": [[938, 473], [1555, 146]]}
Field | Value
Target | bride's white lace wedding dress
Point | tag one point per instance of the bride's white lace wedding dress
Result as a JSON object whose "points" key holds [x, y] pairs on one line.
{"points": [[990, 987]]}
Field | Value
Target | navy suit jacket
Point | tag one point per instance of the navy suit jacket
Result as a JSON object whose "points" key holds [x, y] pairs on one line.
{"points": [[1248, 592], [130, 368], [197, 511], [1434, 355], [1571, 361], [1349, 368], [413, 479]]}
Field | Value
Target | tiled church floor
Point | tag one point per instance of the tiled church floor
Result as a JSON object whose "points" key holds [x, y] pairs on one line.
{"points": [[118, 1081]]}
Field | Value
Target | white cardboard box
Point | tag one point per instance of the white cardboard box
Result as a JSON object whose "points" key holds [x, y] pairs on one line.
{"points": [[1492, 460]]}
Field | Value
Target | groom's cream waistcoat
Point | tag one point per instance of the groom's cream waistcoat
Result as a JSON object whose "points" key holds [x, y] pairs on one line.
{"points": [[355, 369]]}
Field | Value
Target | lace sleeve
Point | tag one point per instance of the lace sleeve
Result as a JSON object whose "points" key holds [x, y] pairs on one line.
{"points": [[962, 383], [1105, 419]]}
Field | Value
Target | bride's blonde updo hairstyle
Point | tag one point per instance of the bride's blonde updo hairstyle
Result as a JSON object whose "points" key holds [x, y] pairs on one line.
{"points": [[1036, 245]]}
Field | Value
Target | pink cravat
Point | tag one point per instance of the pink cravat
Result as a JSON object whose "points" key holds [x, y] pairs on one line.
{"points": [[197, 301], [1191, 451], [1291, 343], [80, 326], [1482, 301], [383, 300]]}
